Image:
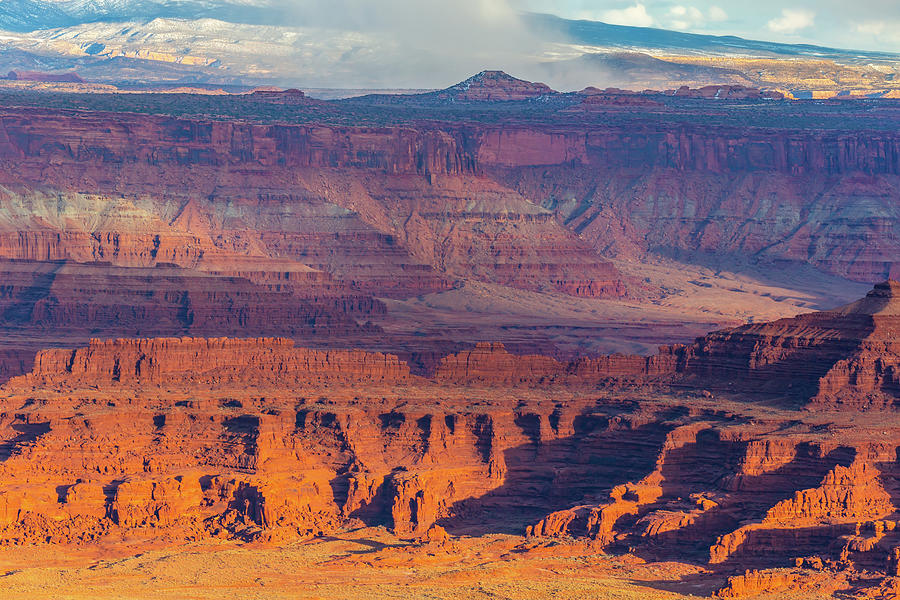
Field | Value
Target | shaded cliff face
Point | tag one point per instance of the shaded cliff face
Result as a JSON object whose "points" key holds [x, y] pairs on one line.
{"points": [[67, 298], [53, 303], [849, 356]]}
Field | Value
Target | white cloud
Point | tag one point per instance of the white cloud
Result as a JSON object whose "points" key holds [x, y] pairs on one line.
{"points": [[691, 17], [874, 28], [792, 20], [885, 33], [414, 43], [636, 16], [716, 13]]}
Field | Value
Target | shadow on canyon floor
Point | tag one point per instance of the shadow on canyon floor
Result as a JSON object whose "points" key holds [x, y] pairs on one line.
{"points": [[545, 477]]}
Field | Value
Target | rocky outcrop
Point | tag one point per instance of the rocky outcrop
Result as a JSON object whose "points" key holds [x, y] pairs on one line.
{"points": [[491, 364], [214, 361], [846, 356], [846, 496], [183, 439], [489, 86], [782, 581]]}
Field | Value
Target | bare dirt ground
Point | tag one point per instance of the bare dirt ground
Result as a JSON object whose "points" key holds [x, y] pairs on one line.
{"points": [[364, 564], [361, 564], [671, 302]]}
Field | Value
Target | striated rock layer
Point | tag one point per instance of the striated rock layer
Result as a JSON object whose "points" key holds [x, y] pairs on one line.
{"points": [[67, 299], [491, 364], [178, 439], [210, 361], [850, 355], [392, 211]]}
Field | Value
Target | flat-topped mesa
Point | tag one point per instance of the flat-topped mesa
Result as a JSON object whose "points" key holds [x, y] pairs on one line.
{"points": [[494, 86], [38, 76], [207, 361], [491, 364], [278, 96], [849, 355], [728, 92]]}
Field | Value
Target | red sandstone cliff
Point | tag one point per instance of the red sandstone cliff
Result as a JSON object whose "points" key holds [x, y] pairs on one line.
{"points": [[721, 189], [392, 211], [849, 355], [257, 439], [216, 361], [490, 364]]}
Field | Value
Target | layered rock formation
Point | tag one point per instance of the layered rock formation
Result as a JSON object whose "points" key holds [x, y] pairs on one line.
{"points": [[362, 204], [209, 361], [491, 364], [846, 356], [757, 199], [188, 438], [288, 237], [630, 186], [175, 439], [783, 581], [67, 299]]}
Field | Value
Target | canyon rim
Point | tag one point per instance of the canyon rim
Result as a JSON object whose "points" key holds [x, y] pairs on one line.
{"points": [[282, 318]]}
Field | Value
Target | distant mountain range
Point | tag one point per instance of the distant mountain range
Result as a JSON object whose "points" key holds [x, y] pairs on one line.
{"points": [[32, 15], [245, 43], [595, 33]]}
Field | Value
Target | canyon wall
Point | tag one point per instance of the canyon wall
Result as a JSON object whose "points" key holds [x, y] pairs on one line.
{"points": [[67, 299], [848, 356], [100, 138], [716, 149], [152, 439], [92, 138], [834, 218], [191, 438], [817, 196], [491, 364], [389, 211], [210, 361]]}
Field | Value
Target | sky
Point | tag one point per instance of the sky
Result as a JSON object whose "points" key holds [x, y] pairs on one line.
{"points": [[856, 24]]}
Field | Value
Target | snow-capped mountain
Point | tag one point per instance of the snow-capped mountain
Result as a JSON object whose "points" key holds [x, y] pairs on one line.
{"points": [[273, 42], [28, 15], [32, 15]]}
